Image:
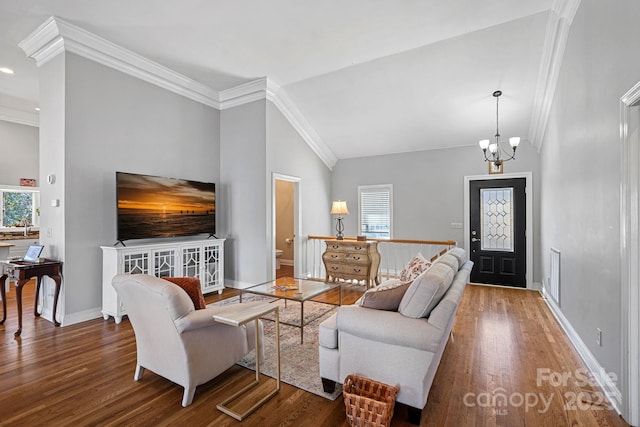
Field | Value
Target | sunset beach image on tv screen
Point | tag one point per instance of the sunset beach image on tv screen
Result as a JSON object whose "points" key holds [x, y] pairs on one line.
{"points": [[151, 206]]}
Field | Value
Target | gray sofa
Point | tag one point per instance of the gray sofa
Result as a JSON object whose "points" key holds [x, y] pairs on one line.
{"points": [[396, 348]]}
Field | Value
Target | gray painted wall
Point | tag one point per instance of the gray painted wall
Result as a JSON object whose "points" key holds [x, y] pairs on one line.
{"points": [[244, 186], [428, 189], [580, 165], [112, 122], [20, 153], [289, 154], [256, 142]]}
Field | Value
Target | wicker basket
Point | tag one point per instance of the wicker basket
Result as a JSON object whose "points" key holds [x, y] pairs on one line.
{"points": [[368, 403]]}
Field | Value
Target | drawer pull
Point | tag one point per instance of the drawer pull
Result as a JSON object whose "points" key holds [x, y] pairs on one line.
{"points": [[334, 256], [357, 270], [334, 267], [335, 246], [358, 248], [357, 258]]}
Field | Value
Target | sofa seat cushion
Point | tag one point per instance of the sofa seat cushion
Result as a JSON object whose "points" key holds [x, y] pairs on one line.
{"points": [[386, 296], [426, 291], [388, 327], [328, 332], [191, 285]]}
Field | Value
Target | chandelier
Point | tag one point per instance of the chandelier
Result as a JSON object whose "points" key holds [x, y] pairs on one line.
{"points": [[496, 152]]}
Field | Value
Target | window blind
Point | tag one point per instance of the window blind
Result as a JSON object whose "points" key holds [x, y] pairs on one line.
{"points": [[375, 212]]}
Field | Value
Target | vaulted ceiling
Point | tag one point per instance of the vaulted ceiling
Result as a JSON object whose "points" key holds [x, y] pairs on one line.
{"points": [[366, 77]]}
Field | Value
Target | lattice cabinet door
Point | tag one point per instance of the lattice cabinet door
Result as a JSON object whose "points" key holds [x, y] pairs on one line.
{"points": [[205, 261], [191, 261], [164, 262], [135, 263], [213, 268]]}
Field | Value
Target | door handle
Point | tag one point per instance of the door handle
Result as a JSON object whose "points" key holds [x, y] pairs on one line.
{"points": [[473, 239]]}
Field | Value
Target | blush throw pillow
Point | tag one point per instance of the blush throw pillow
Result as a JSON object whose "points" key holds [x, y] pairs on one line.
{"points": [[386, 296], [414, 268], [191, 285]]}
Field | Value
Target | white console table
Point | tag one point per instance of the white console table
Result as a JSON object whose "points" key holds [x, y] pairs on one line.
{"points": [[203, 259]]}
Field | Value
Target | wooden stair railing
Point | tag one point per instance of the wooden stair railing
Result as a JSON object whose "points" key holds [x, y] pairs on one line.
{"points": [[394, 253]]}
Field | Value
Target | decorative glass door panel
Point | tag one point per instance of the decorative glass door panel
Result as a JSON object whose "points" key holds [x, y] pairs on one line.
{"points": [[164, 262], [211, 265], [496, 226], [191, 261], [136, 263], [498, 235]]}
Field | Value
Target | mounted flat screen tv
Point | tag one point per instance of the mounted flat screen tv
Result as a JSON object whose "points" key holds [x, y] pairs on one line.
{"points": [[153, 206]]}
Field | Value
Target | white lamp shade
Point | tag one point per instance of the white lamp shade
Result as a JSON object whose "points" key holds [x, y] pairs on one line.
{"points": [[339, 207], [493, 147], [514, 141], [484, 144]]}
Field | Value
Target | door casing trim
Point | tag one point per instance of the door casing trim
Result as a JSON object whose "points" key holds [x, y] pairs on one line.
{"points": [[297, 221], [529, 222]]}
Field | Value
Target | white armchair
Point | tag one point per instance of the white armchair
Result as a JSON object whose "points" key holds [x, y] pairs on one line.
{"points": [[175, 340]]}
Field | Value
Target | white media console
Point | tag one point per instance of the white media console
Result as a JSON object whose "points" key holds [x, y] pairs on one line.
{"points": [[203, 259]]}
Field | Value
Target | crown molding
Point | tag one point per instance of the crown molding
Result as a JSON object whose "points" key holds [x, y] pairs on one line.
{"points": [[566, 9], [557, 32], [243, 94], [281, 100], [21, 117], [56, 35], [265, 88]]}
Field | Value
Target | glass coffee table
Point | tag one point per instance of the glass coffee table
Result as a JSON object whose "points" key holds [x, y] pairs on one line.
{"points": [[292, 289]]}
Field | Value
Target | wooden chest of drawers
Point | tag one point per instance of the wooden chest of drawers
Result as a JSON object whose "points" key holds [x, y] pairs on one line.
{"points": [[352, 260]]}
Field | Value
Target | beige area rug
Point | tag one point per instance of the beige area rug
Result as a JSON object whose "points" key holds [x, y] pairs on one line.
{"points": [[299, 365]]}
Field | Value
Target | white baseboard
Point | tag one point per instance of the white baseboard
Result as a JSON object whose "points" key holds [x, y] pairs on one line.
{"points": [[81, 316], [236, 284], [286, 261], [597, 371]]}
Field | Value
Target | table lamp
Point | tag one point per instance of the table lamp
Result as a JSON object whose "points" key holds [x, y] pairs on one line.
{"points": [[339, 208]]}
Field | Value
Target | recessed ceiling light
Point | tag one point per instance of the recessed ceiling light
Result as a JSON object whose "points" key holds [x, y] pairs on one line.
{"points": [[37, 108], [6, 70]]}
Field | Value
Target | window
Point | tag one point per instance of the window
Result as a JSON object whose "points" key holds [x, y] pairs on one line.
{"points": [[375, 217], [19, 208]]}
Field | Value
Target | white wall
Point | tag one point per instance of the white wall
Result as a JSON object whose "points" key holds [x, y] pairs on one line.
{"points": [[97, 121], [20, 153], [428, 189], [580, 166]]}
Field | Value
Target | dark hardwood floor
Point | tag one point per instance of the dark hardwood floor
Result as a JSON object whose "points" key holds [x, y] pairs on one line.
{"points": [[82, 374]]}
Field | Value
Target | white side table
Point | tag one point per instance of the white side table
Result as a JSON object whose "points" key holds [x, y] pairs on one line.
{"points": [[238, 315]]}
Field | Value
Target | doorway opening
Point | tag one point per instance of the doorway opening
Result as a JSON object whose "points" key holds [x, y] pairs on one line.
{"points": [[285, 225]]}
